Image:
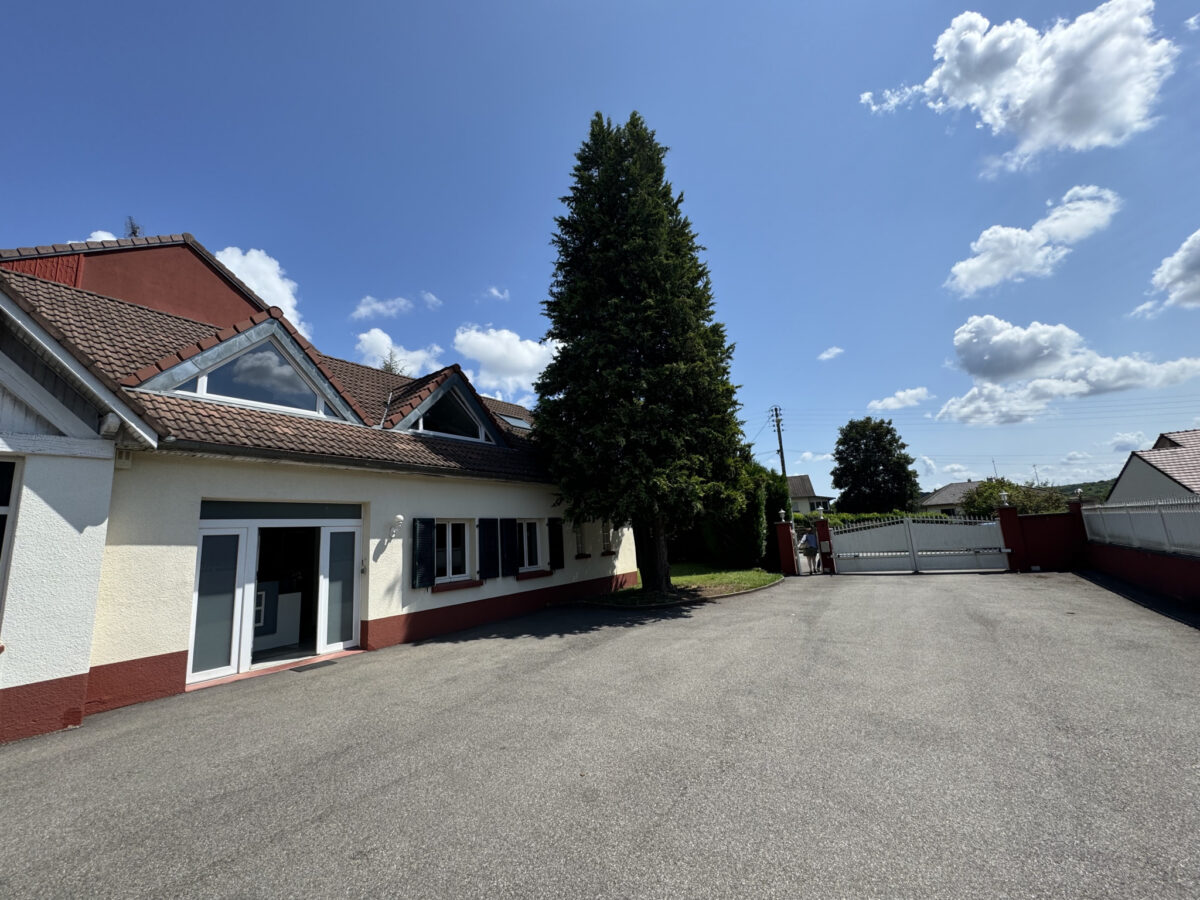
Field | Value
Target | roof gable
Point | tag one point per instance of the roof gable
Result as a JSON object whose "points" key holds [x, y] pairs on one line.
{"points": [[421, 397], [171, 273]]}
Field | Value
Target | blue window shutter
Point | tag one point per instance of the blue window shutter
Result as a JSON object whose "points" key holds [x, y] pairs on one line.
{"points": [[556, 543], [422, 571], [489, 548], [508, 547]]}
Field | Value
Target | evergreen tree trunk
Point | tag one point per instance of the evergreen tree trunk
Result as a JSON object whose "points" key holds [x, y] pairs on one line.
{"points": [[651, 539]]}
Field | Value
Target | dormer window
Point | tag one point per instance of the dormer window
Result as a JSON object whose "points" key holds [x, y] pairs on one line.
{"points": [[261, 376], [449, 415]]}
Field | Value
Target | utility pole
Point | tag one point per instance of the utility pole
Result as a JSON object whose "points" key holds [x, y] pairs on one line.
{"points": [[778, 414]]}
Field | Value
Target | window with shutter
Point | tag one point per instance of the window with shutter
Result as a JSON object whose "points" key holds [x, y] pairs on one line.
{"points": [[555, 530], [423, 553], [489, 548]]}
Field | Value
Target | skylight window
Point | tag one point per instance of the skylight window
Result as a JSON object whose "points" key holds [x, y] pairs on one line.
{"points": [[514, 421], [263, 376]]}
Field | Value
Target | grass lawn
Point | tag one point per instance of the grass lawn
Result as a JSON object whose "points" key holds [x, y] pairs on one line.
{"points": [[694, 581]]}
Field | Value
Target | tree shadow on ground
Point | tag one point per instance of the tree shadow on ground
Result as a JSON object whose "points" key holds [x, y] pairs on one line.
{"points": [[567, 620], [1188, 614]]}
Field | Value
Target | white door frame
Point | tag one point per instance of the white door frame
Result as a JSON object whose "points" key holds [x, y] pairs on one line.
{"points": [[242, 637]]}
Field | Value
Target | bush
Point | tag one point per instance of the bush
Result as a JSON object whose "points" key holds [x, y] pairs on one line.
{"points": [[739, 540]]}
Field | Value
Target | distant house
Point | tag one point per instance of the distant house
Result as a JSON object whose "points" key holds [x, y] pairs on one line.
{"points": [[804, 498], [1170, 469], [948, 499]]}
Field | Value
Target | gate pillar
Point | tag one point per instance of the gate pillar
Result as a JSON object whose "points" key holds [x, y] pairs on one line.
{"points": [[786, 540], [1014, 538], [825, 542]]}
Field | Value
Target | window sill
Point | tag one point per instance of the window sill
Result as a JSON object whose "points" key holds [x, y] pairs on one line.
{"points": [[583, 556], [609, 553], [443, 586], [534, 573]]}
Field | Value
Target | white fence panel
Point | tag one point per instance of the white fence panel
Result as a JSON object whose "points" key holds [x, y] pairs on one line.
{"points": [[919, 545], [1171, 526]]}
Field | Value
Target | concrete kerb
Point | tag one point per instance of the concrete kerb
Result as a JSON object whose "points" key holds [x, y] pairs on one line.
{"points": [[667, 604]]}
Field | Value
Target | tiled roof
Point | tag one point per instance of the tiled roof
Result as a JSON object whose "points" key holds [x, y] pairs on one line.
{"points": [[1180, 463], [801, 486], [1168, 439], [950, 494], [203, 425], [91, 246], [503, 408], [125, 344]]}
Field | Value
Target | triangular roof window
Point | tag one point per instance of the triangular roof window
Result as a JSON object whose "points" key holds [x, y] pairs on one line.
{"points": [[448, 414]]}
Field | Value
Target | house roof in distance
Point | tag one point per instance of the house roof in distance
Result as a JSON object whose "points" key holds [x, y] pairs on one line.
{"points": [[1177, 455], [801, 486], [950, 494]]}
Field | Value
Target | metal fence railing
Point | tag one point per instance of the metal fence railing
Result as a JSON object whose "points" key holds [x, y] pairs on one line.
{"points": [[1172, 526]]}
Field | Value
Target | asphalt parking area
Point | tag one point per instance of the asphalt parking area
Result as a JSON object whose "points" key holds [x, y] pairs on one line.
{"points": [[870, 736]]}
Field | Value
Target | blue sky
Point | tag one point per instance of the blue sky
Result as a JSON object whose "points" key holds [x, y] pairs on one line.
{"points": [[998, 247]]}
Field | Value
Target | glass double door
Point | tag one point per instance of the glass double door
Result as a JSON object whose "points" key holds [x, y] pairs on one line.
{"points": [[268, 593]]}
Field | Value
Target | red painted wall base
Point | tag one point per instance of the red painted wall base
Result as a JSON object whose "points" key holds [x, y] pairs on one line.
{"points": [[41, 707], [1169, 574], [125, 683]]}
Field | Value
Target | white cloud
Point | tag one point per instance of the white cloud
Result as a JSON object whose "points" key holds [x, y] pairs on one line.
{"points": [[1126, 441], [1078, 85], [1192, 23], [1151, 309], [266, 277], [826, 355], [902, 399], [1075, 457], [1179, 275], [373, 347], [430, 299], [494, 293], [507, 362], [1019, 371], [809, 456], [928, 466], [101, 236], [1003, 253], [957, 470], [369, 308]]}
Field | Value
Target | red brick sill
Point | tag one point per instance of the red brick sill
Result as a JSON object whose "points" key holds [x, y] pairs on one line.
{"points": [[444, 586], [534, 573]]}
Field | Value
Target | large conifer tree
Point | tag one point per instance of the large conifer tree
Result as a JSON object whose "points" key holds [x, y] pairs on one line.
{"points": [[636, 413]]}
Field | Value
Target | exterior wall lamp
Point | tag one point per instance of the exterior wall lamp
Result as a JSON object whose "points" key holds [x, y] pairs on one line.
{"points": [[397, 528]]}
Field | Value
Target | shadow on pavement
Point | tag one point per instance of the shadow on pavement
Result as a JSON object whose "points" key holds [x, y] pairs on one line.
{"points": [[1188, 614], [560, 621]]}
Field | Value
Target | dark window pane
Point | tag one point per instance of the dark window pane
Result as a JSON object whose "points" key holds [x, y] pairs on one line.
{"points": [[265, 509], [439, 552], [458, 549], [340, 621], [190, 386], [215, 602], [449, 416], [521, 543], [532, 542], [264, 376], [7, 470]]}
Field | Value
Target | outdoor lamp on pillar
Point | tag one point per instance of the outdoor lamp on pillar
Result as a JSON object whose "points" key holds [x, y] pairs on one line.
{"points": [[1004, 498], [783, 515]]}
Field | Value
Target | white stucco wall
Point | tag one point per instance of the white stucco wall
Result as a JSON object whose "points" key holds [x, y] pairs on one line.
{"points": [[1141, 481], [59, 529], [149, 571]]}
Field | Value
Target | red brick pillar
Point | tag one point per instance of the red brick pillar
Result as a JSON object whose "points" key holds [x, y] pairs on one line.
{"points": [[1079, 539], [825, 542], [1014, 539], [786, 540]]}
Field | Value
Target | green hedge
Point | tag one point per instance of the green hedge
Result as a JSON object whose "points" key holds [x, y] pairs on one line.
{"points": [[837, 520]]}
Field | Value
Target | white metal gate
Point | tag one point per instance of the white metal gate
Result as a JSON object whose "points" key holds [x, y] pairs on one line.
{"points": [[919, 545]]}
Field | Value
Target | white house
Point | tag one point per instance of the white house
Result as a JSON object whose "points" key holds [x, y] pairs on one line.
{"points": [[1168, 470], [191, 492]]}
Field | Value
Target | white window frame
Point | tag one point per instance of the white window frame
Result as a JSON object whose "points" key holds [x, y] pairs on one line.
{"points": [[466, 574], [524, 527], [580, 542], [245, 599], [202, 388], [606, 537], [481, 433], [10, 523]]}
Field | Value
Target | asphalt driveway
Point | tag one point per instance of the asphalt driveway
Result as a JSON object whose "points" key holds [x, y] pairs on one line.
{"points": [[916, 736]]}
